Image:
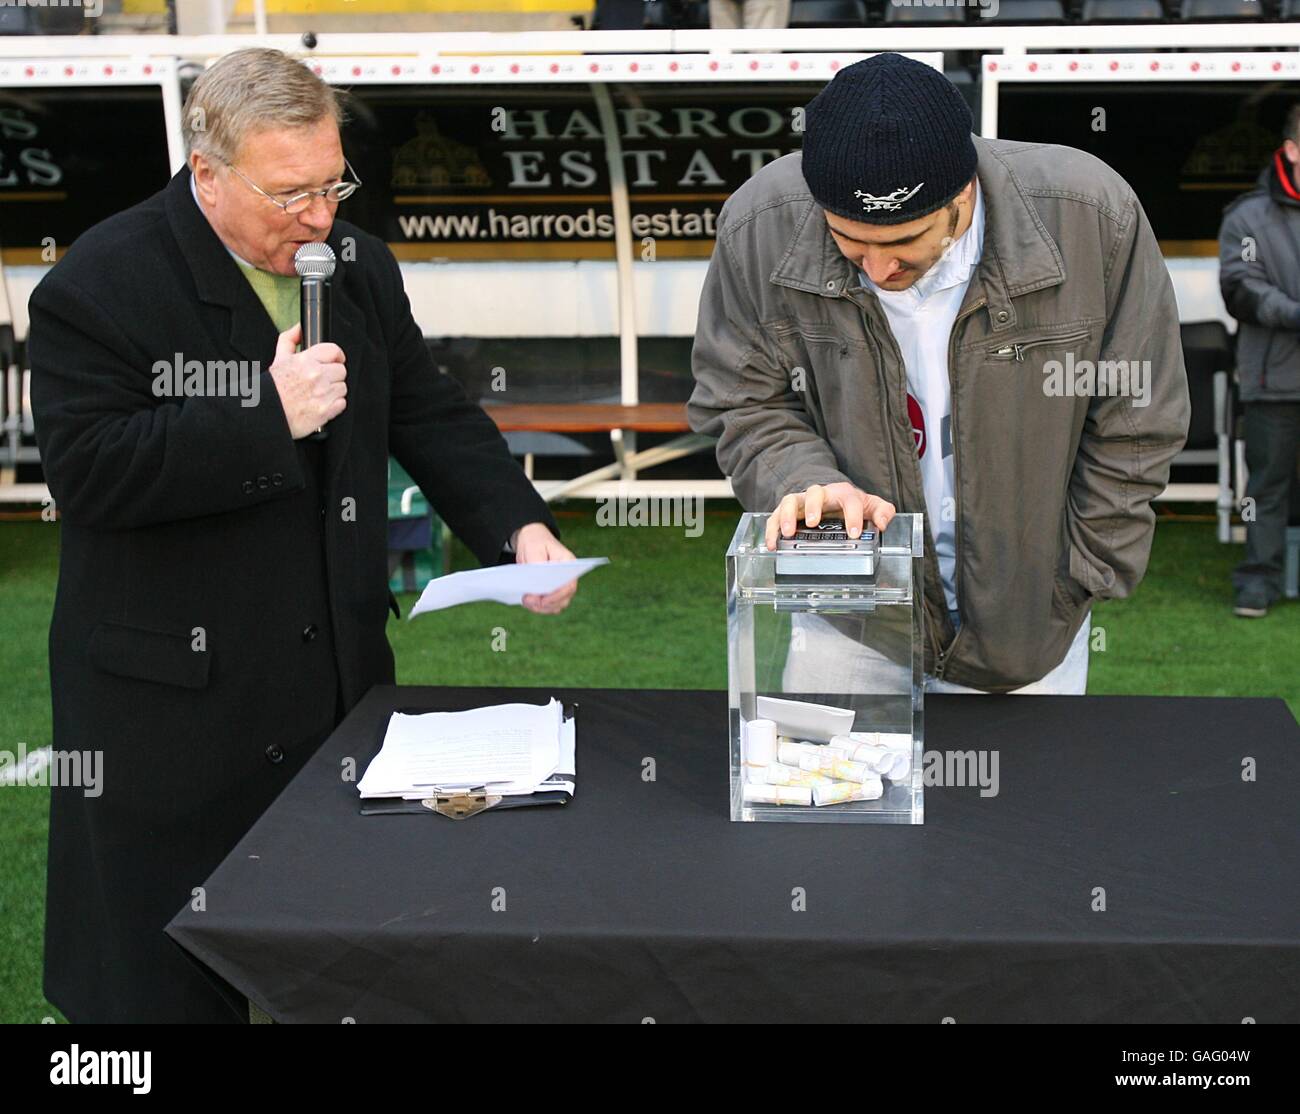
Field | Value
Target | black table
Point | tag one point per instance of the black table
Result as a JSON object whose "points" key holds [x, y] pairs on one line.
{"points": [[642, 900]]}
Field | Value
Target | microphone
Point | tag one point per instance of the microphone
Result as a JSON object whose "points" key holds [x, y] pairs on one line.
{"points": [[315, 266]]}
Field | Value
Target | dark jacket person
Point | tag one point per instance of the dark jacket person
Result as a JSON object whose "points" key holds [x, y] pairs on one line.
{"points": [[1259, 275], [222, 589]]}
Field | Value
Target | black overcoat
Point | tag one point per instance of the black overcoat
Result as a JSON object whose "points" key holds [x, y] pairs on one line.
{"points": [[223, 589]]}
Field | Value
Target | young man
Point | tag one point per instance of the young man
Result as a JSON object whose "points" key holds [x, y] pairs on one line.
{"points": [[904, 316]]}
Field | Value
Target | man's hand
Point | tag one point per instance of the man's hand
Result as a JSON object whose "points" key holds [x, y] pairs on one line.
{"points": [[855, 505], [312, 385], [534, 543]]}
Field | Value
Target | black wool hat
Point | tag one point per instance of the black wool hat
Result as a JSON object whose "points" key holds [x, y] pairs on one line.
{"points": [[887, 141]]}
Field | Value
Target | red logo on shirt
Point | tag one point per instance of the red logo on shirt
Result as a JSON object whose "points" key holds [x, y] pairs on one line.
{"points": [[917, 419]]}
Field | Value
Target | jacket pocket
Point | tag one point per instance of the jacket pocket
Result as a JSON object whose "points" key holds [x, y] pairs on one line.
{"points": [[1068, 594], [1280, 368], [149, 655], [1016, 349]]}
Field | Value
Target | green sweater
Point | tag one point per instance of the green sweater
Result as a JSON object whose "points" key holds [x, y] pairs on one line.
{"points": [[278, 293]]}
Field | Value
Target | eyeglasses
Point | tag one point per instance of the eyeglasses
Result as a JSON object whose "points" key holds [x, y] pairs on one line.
{"points": [[300, 202]]}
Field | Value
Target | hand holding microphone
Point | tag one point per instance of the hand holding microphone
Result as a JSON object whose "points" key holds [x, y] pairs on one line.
{"points": [[312, 384]]}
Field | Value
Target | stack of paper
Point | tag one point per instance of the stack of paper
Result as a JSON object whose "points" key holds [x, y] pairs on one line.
{"points": [[506, 749]]}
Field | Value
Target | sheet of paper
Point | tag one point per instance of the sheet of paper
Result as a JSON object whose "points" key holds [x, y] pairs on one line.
{"points": [[563, 777], [513, 748], [502, 583]]}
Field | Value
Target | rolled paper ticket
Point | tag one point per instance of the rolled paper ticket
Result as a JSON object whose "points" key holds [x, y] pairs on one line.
{"points": [[760, 742], [839, 768], [844, 791], [894, 740], [780, 774], [881, 760], [902, 765], [790, 740], [891, 758], [850, 771], [878, 758], [777, 794], [891, 764], [791, 752]]}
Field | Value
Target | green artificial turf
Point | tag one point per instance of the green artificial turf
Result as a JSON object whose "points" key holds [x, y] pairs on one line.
{"points": [[29, 557], [655, 618]]}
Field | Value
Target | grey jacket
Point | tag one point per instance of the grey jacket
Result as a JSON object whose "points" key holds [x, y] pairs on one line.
{"points": [[1053, 490], [1259, 275]]}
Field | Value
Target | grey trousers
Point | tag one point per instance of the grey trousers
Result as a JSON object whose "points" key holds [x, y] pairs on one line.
{"points": [[828, 661], [727, 15], [1272, 437]]}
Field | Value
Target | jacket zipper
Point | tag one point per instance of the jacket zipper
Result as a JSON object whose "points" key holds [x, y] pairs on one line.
{"points": [[884, 402], [942, 660], [1016, 350]]}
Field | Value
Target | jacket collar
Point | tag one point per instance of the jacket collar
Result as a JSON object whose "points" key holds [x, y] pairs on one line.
{"points": [[252, 333], [1019, 255], [216, 276], [1277, 179]]}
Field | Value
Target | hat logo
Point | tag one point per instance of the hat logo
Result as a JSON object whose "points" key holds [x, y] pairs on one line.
{"points": [[889, 201]]}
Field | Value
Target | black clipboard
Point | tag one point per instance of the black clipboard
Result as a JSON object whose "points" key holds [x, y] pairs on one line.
{"points": [[464, 803]]}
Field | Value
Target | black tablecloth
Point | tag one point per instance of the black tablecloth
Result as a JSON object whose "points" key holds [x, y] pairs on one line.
{"points": [[641, 899]]}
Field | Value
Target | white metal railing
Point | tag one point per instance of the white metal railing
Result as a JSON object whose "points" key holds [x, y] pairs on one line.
{"points": [[1156, 66], [977, 36], [1223, 52]]}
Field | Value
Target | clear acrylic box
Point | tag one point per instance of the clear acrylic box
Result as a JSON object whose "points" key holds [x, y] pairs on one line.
{"points": [[827, 645]]}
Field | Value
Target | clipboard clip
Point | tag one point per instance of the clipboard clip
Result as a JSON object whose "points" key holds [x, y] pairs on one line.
{"points": [[462, 804]]}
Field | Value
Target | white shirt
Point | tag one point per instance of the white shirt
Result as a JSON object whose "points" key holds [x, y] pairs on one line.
{"points": [[921, 319]]}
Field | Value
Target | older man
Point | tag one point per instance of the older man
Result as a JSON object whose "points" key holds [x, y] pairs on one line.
{"points": [[223, 583], [905, 316]]}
